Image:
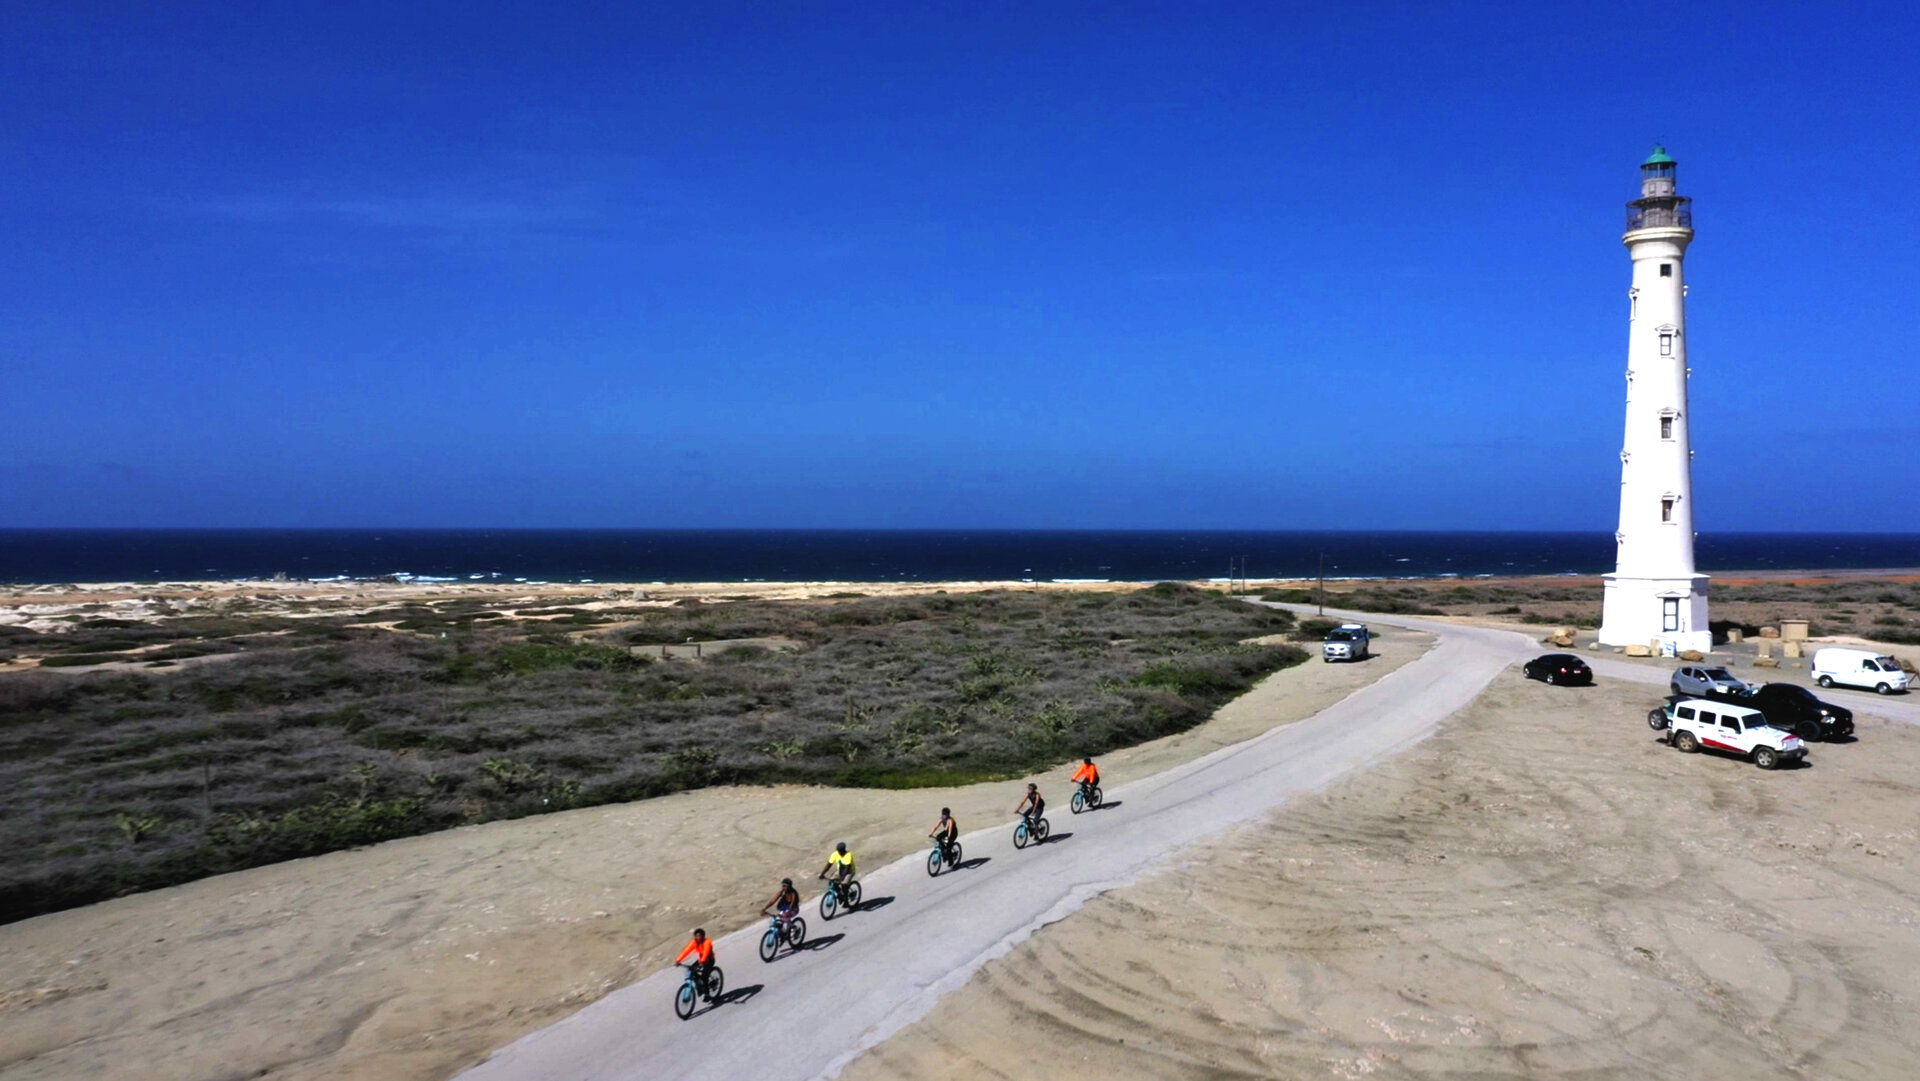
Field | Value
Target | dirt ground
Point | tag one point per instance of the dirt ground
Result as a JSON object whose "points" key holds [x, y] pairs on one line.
{"points": [[415, 958], [1540, 890]]}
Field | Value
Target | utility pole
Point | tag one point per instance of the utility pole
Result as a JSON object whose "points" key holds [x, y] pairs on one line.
{"points": [[1323, 583]]}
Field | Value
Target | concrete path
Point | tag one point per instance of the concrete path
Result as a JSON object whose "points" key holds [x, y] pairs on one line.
{"points": [[872, 972]]}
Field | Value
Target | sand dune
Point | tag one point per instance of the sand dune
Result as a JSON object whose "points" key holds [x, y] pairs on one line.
{"points": [[1542, 890]]}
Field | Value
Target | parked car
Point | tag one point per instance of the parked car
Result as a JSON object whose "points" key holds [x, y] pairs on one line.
{"points": [[1701, 680], [1793, 707], [1347, 642], [1858, 668], [1694, 723], [1558, 668]]}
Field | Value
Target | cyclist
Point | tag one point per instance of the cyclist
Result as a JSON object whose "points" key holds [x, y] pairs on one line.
{"points": [[1088, 776], [945, 831], [787, 901], [841, 859], [701, 950], [1031, 805]]}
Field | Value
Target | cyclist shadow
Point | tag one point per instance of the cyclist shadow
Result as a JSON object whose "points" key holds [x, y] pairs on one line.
{"points": [[818, 943], [1056, 838], [1106, 805], [873, 904], [730, 997], [977, 861]]}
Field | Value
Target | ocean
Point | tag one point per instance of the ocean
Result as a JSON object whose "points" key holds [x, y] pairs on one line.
{"points": [[113, 555]]}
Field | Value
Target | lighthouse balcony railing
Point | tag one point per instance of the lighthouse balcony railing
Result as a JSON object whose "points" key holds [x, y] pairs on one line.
{"points": [[1660, 217]]}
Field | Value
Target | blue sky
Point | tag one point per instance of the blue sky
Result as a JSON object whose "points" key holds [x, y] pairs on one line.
{"points": [[1037, 265]]}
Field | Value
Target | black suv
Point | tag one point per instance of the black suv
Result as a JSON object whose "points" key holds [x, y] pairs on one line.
{"points": [[1796, 709]]}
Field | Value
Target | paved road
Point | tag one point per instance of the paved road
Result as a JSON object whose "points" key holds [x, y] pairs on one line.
{"points": [[808, 1014]]}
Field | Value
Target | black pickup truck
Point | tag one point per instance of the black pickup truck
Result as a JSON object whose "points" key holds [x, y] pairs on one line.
{"points": [[1796, 709]]}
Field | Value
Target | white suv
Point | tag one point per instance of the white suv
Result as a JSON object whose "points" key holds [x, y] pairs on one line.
{"points": [[1693, 723]]}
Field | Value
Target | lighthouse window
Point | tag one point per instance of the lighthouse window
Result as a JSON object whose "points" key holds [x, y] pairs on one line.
{"points": [[1666, 427], [1666, 270], [1666, 510], [1666, 343], [1670, 614]]}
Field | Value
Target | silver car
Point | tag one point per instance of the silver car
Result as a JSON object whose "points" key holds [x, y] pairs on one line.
{"points": [[1701, 680]]}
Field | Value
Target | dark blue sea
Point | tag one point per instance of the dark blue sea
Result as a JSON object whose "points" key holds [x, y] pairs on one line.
{"points": [[41, 556]]}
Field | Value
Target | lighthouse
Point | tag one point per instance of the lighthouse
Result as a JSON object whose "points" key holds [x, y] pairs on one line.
{"points": [[1654, 597]]}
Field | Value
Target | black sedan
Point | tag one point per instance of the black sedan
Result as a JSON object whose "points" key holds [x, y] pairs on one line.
{"points": [[1796, 709], [1559, 669]]}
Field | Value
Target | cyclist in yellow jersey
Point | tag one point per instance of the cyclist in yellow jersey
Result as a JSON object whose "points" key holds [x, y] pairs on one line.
{"points": [[839, 863]]}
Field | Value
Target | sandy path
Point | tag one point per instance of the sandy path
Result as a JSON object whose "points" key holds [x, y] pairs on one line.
{"points": [[1540, 890], [809, 1014], [415, 958]]}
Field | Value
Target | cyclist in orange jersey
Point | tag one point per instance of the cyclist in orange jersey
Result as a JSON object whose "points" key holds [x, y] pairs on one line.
{"points": [[701, 950], [1088, 773]]}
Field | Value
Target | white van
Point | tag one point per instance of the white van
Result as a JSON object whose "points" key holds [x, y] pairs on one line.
{"points": [[1858, 668]]}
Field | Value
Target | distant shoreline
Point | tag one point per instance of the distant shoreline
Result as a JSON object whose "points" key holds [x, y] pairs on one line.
{"points": [[398, 587]]}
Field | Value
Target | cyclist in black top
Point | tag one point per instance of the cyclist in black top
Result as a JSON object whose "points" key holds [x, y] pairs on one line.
{"points": [[945, 831], [1031, 800]]}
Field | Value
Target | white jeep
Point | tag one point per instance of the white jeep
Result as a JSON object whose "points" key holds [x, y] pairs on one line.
{"points": [[1693, 723]]}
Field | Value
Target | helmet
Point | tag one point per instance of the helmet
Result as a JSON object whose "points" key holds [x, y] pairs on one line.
{"points": [[1088, 761], [841, 847], [699, 932], [945, 812], [786, 883]]}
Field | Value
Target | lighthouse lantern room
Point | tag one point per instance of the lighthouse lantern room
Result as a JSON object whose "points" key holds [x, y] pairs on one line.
{"points": [[1654, 597]]}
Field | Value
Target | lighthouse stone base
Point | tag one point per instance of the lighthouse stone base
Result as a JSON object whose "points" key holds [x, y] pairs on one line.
{"points": [[1667, 614]]}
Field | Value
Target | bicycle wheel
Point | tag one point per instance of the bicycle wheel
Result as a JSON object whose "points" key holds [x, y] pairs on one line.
{"points": [[796, 932], [1020, 837], [953, 858], [1079, 802], [853, 896], [716, 983], [683, 1002], [933, 862], [829, 903], [769, 944], [1098, 797], [1042, 829]]}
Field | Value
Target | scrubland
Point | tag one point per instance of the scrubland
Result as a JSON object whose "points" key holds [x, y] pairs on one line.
{"points": [[216, 742]]}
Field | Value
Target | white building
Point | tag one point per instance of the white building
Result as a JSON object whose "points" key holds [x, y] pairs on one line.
{"points": [[1654, 597]]}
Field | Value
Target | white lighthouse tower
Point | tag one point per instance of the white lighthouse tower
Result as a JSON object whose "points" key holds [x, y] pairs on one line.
{"points": [[1654, 597]]}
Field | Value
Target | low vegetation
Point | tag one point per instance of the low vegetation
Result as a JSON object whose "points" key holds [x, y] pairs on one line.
{"points": [[245, 740]]}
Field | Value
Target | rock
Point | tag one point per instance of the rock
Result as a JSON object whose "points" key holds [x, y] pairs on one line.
{"points": [[1559, 639], [1638, 650], [1765, 662], [1769, 632], [1692, 655]]}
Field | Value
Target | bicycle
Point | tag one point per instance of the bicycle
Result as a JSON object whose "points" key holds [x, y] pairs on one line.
{"points": [[1087, 798], [945, 855], [691, 990], [1031, 830], [791, 929], [839, 896]]}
